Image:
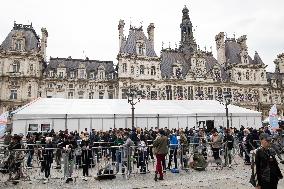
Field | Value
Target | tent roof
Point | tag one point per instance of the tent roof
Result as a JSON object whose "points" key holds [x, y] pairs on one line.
{"points": [[86, 108]]}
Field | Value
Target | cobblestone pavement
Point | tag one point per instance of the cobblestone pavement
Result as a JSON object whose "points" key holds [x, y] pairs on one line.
{"points": [[236, 177]]}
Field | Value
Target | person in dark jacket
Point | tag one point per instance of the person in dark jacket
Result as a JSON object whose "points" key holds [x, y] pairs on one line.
{"points": [[86, 158], [267, 169], [47, 158], [229, 145]]}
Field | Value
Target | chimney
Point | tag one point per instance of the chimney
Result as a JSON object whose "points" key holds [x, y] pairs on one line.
{"points": [[220, 46], [43, 44], [121, 35], [150, 31]]}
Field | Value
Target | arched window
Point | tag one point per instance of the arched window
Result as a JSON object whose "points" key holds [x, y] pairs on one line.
{"points": [[153, 70]]}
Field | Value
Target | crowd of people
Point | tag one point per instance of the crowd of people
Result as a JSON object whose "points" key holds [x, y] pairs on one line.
{"points": [[83, 149]]}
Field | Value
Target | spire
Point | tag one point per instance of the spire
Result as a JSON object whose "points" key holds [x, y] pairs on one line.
{"points": [[188, 44]]}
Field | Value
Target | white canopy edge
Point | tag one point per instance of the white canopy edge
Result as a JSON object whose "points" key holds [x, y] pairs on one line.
{"points": [[44, 108]]}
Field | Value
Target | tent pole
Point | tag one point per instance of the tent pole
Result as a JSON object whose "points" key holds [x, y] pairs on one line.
{"points": [[114, 121], [65, 121], [231, 120], [186, 121], [196, 121], [158, 121], [79, 125]]}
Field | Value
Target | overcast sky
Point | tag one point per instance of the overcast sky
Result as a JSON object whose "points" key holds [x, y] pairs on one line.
{"points": [[90, 26]]}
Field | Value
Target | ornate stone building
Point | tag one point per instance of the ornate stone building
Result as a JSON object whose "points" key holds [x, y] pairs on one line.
{"points": [[182, 73]]}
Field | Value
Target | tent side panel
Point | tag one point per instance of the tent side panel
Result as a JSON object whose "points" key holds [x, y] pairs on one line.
{"points": [[59, 124]]}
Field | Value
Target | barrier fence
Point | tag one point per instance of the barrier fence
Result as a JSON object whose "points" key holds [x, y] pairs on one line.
{"points": [[103, 158]]}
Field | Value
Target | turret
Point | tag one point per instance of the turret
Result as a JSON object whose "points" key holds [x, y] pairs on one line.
{"points": [[220, 46], [43, 44], [150, 31], [121, 35]]}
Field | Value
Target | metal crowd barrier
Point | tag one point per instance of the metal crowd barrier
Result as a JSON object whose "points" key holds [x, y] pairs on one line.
{"points": [[122, 160]]}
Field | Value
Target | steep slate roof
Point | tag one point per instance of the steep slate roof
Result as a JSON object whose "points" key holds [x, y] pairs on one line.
{"points": [[129, 45], [232, 53], [210, 62], [31, 39], [73, 64], [170, 57]]}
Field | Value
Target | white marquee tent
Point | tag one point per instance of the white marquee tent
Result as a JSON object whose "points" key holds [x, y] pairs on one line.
{"points": [[102, 114]]}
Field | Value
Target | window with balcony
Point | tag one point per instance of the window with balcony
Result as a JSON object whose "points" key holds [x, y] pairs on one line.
{"points": [[16, 66], [190, 93], [169, 92]]}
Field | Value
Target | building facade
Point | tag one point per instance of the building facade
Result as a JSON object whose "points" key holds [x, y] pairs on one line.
{"points": [[182, 73]]}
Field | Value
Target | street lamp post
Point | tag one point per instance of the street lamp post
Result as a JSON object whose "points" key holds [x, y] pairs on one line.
{"points": [[225, 99], [131, 95]]}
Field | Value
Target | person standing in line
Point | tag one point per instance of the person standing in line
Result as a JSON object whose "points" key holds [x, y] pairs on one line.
{"points": [[160, 146], [47, 154], [86, 158], [216, 145], [229, 145], [267, 169], [174, 144]]}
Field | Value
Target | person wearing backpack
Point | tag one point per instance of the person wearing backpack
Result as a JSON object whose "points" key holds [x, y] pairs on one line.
{"points": [[267, 170]]}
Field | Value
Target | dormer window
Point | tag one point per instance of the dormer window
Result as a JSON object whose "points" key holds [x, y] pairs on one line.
{"points": [[92, 75], [140, 48], [101, 72], [102, 75], [18, 44], [178, 73], [60, 74], [82, 74]]}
